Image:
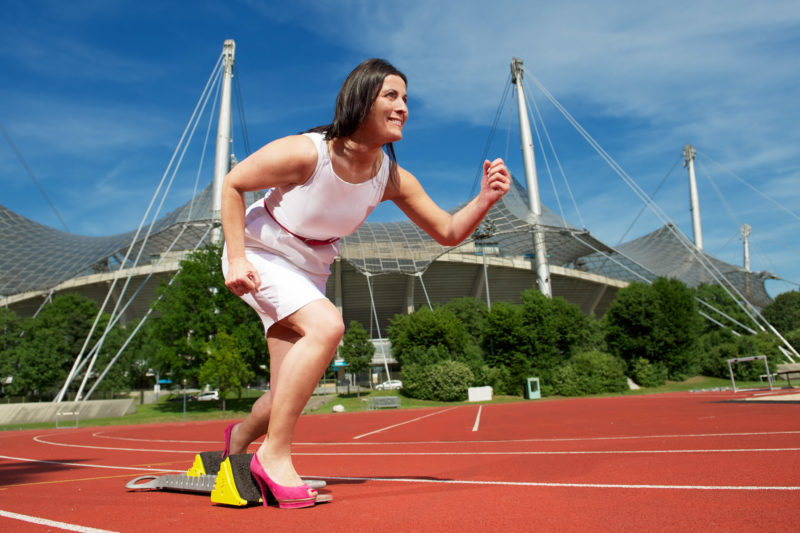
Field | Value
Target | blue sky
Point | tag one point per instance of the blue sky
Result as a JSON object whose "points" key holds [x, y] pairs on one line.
{"points": [[95, 95]]}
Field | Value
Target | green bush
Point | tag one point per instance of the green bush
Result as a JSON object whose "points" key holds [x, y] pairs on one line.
{"points": [[446, 381], [646, 373], [590, 373], [498, 378]]}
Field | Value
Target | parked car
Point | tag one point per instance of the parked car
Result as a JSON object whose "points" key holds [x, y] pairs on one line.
{"points": [[179, 398], [392, 384], [208, 396]]}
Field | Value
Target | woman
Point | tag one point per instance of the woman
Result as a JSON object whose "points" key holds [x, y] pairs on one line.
{"points": [[279, 250]]}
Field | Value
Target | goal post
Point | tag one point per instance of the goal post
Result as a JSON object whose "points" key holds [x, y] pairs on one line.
{"points": [[745, 359]]}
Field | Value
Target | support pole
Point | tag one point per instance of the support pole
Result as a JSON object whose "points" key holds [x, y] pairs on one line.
{"points": [[222, 160], [689, 154], [377, 324], [532, 182]]}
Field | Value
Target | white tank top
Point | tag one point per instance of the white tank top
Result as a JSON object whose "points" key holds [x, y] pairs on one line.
{"points": [[323, 207]]}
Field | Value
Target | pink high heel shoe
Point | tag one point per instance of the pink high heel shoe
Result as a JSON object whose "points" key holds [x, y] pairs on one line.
{"points": [[228, 431], [288, 497]]}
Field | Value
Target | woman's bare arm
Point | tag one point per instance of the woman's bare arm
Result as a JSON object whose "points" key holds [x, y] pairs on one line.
{"points": [[445, 228], [286, 161]]}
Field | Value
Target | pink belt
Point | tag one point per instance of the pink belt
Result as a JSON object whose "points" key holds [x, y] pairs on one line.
{"points": [[310, 242]]}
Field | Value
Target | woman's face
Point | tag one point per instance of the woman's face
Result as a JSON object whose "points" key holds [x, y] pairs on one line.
{"points": [[389, 112]]}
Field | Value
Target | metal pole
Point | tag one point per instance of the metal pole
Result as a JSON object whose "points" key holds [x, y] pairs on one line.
{"points": [[377, 324], [531, 180], [486, 281], [689, 153], [222, 161], [746, 238]]}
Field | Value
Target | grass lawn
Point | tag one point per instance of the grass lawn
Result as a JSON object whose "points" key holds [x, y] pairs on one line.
{"points": [[173, 411]]}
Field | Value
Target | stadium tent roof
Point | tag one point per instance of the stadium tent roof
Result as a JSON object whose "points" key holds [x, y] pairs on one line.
{"points": [[34, 257], [667, 252]]}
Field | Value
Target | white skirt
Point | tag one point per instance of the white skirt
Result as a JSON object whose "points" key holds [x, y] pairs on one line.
{"points": [[284, 289]]}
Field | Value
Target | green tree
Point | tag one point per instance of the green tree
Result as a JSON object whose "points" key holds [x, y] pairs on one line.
{"points": [[680, 326], [49, 345], [657, 322], [504, 342], [535, 338], [472, 314], [412, 337], [555, 328], [194, 309], [784, 312], [356, 349], [224, 368]]}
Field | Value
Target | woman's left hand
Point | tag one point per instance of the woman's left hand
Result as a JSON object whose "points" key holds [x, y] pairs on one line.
{"points": [[496, 180]]}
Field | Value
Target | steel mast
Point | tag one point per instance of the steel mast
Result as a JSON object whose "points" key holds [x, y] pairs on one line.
{"points": [[531, 180], [689, 153], [222, 160]]}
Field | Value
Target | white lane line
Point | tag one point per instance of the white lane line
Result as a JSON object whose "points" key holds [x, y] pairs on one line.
{"points": [[51, 523], [402, 423], [554, 439], [575, 452], [103, 435], [89, 465], [569, 485], [477, 419]]}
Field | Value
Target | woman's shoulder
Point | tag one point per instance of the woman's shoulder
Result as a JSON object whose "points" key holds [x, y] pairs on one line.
{"points": [[295, 150], [302, 145]]}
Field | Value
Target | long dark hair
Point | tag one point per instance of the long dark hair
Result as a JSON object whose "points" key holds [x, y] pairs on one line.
{"points": [[355, 99]]}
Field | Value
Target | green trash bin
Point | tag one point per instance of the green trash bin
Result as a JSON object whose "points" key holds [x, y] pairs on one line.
{"points": [[531, 389]]}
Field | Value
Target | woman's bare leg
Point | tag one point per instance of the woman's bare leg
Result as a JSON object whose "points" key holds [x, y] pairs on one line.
{"points": [[319, 328], [279, 341]]}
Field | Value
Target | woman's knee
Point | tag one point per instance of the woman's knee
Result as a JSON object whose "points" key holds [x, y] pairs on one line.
{"points": [[329, 327], [319, 320]]}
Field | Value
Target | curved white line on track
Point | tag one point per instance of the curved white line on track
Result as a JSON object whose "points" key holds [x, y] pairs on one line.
{"points": [[40, 439], [102, 435], [403, 423], [570, 485], [90, 465], [51, 523]]}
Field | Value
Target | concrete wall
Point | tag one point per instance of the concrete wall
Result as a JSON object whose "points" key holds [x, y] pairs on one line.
{"points": [[30, 413]]}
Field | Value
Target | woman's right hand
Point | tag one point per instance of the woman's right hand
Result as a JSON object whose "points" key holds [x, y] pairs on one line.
{"points": [[242, 277]]}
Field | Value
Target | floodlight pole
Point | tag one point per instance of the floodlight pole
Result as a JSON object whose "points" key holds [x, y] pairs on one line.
{"points": [[532, 182], [689, 153], [745, 231], [222, 160]]}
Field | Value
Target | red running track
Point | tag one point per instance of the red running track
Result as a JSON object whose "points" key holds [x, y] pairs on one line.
{"points": [[670, 462]]}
